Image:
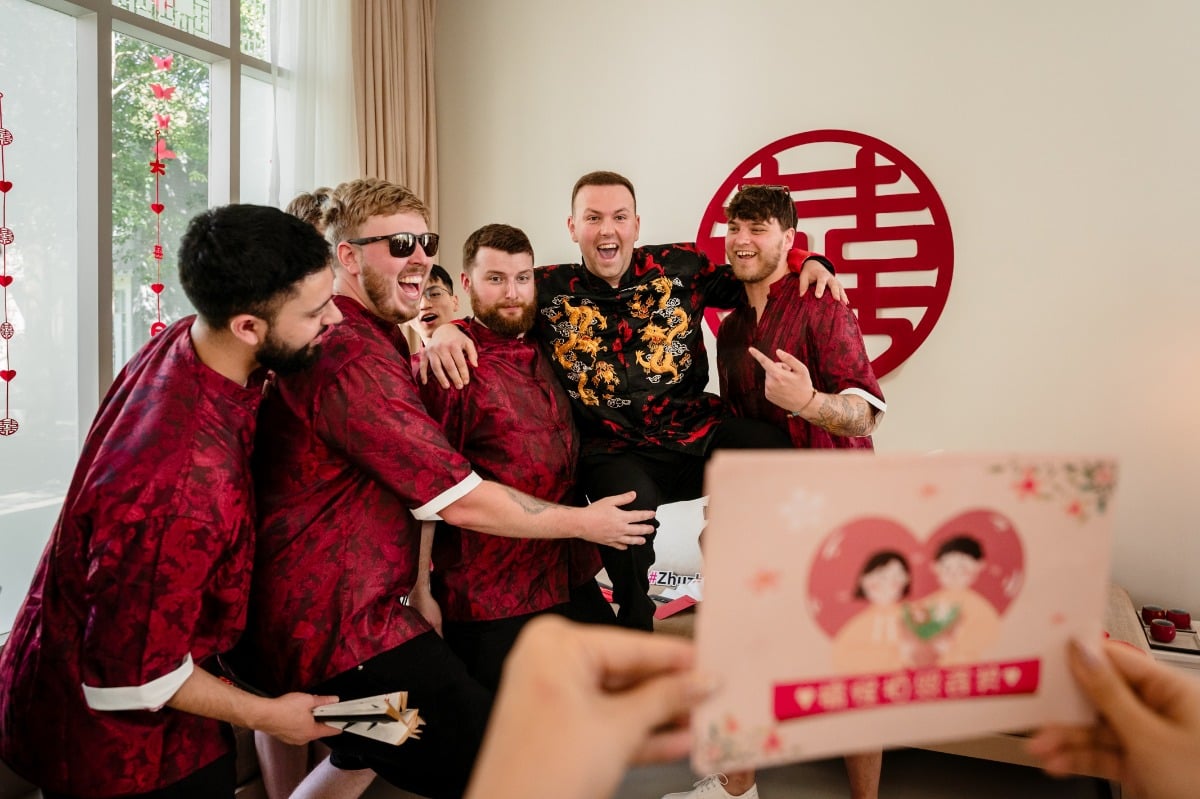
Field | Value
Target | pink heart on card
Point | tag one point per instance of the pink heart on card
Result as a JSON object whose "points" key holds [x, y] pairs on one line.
{"points": [[7, 374], [157, 207], [889, 600], [157, 288]]}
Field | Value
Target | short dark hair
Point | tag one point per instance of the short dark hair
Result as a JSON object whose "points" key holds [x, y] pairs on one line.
{"points": [[246, 259], [504, 238], [437, 273], [602, 178], [762, 204], [878, 560], [310, 206], [964, 544]]}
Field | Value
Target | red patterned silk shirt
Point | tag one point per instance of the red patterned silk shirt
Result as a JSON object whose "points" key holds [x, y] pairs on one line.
{"points": [[147, 573], [632, 358], [513, 422], [821, 333], [347, 462]]}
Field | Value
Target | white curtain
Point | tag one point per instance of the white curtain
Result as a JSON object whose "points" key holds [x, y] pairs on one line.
{"points": [[315, 137]]}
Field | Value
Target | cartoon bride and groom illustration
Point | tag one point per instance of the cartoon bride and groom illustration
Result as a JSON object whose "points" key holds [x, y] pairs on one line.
{"points": [[953, 625]]}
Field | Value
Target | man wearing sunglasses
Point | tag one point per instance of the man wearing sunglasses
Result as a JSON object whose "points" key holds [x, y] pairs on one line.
{"points": [[348, 462], [623, 331]]}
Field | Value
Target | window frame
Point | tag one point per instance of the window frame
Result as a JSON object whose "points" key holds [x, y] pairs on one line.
{"points": [[96, 22]]}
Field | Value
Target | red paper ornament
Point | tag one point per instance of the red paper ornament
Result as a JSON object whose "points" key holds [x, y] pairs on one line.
{"points": [[8, 425]]}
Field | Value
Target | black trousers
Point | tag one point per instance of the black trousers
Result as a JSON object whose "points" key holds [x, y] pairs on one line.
{"points": [[483, 646], [659, 476], [454, 705], [217, 780]]}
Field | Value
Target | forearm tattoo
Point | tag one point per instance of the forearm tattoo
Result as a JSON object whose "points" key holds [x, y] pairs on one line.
{"points": [[531, 505], [845, 415]]}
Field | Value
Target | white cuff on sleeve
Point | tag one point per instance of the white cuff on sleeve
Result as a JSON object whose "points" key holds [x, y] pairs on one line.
{"points": [[871, 399], [151, 696], [430, 510]]}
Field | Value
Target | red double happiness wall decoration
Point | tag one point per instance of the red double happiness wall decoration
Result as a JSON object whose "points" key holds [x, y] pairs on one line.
{"points": [[874, 213], [8, 425]]}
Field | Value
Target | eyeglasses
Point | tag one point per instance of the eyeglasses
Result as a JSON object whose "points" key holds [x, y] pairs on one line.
{"points": [[436, 293], [402, 245]]}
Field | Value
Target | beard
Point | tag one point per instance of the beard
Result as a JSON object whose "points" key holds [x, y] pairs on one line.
{"points": [[284, 360], [491, 318], [380, 290], [768, 261]]}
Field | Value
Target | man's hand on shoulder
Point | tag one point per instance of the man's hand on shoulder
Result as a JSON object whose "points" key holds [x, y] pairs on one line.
{"points": [[812, 271], [450, 355]]}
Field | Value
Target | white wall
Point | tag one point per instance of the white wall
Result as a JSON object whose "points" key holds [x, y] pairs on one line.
{"points": [[1064, 138]]}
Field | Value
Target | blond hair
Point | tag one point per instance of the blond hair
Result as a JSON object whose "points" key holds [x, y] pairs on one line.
{"points": [[356, 201]]}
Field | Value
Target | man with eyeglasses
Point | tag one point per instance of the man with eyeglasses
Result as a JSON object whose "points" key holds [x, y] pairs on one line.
{"points": [[439, 304], [347, 463], [513, 423], [623, 332]]}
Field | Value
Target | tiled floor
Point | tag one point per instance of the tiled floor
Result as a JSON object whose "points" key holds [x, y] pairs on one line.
{"points": [[907, 774]]}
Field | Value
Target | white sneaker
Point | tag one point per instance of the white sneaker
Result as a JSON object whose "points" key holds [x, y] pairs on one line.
{"points": [[713, 787]]}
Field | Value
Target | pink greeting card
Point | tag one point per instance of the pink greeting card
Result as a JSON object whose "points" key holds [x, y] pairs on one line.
{"points": [[855, 602]]}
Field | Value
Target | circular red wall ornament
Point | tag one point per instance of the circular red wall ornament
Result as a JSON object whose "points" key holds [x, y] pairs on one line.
{"points": [[873, 212]]}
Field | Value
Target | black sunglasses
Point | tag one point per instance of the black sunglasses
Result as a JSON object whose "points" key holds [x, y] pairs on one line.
{"points": [[402, 245]]}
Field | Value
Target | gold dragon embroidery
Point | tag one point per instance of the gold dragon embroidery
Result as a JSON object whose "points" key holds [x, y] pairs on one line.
{"points": [[660, 356], [575, 323]]}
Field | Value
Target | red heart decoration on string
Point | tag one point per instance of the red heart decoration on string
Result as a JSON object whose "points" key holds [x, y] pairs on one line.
{"points": [[6, 280], [157, 328], [157, 207], [156, 288], [7, 374], [5, 185]]}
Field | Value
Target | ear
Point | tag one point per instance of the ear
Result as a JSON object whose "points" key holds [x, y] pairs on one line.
{"points": [[249, 329], [637, 227], [466, 284], [571, 228], [789, 236], [347, 256], [455, 298]]}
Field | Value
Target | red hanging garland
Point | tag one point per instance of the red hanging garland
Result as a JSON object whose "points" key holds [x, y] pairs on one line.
{"points": [[158, 169], [8, 425]]}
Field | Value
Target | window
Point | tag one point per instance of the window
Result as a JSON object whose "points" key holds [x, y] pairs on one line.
{"points": [[79, 78]]}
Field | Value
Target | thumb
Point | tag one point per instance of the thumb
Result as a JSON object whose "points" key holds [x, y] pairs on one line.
{"points": [[1108, 691], [621, 499], [318, 701]]}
